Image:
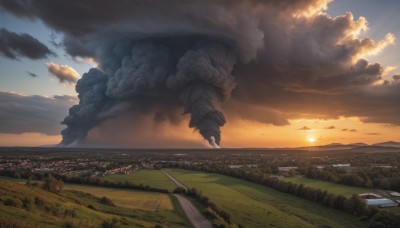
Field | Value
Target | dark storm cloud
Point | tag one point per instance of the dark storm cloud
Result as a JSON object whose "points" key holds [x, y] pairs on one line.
{"points": [[330, 127], [14, 45], [274, 60], [20, 114]]}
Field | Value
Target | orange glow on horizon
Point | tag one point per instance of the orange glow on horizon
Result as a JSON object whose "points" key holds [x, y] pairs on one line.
{"points": [[237, 133]]}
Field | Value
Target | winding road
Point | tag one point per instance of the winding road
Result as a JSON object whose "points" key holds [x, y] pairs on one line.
{"points": [[193, 214]]}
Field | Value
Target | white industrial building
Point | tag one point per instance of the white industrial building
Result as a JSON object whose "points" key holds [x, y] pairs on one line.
{"points": [[372, 199], [381, 202]]}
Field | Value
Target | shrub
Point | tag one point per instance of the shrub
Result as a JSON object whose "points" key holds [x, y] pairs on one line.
{"points": [[51, 184], [106, 201], [109, 223], [179, 190], [10, 202], [39, 202]]}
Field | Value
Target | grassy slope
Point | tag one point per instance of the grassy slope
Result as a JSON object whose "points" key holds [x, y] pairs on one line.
{"points": [[51, 214], [339, 189], [150, 177], [254, 205]]}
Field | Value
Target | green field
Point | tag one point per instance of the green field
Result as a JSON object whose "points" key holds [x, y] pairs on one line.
{"points": [[254, 205], [339, 189], [151, 177], [88, 210]]}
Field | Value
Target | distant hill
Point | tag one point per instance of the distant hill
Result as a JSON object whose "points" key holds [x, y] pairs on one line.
{"points": [[388, 144], [384, 146], [358, 144]]}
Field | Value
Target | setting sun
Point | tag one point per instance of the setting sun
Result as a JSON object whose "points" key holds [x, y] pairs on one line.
{"points": [[311, 139]]}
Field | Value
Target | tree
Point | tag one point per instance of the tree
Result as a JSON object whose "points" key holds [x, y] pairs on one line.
{"points": [[51, 184]]}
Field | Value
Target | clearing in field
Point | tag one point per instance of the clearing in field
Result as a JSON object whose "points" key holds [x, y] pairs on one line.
{"points": [[253, 205], [149, 201], [330, 187], [151, 177]]}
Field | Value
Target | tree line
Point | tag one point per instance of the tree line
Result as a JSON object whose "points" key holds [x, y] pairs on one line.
{"points": [[381, 178]]}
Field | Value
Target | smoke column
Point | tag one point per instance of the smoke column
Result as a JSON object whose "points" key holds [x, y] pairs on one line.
{"points": [[199, 74]]}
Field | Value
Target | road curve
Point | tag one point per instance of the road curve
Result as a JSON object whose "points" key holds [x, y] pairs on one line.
{"points": [[192, 213]]}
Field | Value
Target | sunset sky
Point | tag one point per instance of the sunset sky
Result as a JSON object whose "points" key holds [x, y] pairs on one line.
{"points": [[313, 72]]}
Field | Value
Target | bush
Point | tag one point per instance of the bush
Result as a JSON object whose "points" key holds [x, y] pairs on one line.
{"points": [[70, 213], [39, 202], [109, 223], [27, 202], [106, 201], [179, 190], [10, 202], [51, 184]]}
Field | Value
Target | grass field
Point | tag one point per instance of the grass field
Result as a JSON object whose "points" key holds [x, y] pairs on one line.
{"points": [[132, 208], [339, 189], [149, 201], [254, 205], [150, 177]]}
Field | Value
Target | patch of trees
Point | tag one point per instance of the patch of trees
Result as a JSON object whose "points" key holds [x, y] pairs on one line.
{"points": [[213, 210], [381, 178]]}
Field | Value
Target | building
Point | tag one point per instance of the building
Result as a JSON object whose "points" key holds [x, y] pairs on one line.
{"points": [[287, 168], [394, 194], [381, 202], [372, 199]]}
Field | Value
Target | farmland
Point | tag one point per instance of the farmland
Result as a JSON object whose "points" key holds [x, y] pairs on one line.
{"points": [[148, 201], [150, 177], [253, 205], [338, 189]]}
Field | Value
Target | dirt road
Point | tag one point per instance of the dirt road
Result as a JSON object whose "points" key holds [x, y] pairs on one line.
{"points": [[193, 214], [176, 182]]}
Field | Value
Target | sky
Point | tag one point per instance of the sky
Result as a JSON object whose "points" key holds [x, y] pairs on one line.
{"points": [[309, 72]]}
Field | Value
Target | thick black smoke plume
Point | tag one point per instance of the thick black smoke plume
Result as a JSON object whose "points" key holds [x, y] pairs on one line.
{"points": [[200, 73]]}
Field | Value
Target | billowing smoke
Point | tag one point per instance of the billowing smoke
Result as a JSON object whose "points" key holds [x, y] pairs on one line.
{"points": [[199, 74], [276, 60]]}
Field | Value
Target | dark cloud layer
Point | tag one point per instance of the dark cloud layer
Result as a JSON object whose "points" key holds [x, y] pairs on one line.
{"points": [[14, 46], [20, 114], [273, 61]]}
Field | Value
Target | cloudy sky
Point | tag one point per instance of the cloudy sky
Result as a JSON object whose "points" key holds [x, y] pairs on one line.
{"points": [[248, 73]]}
